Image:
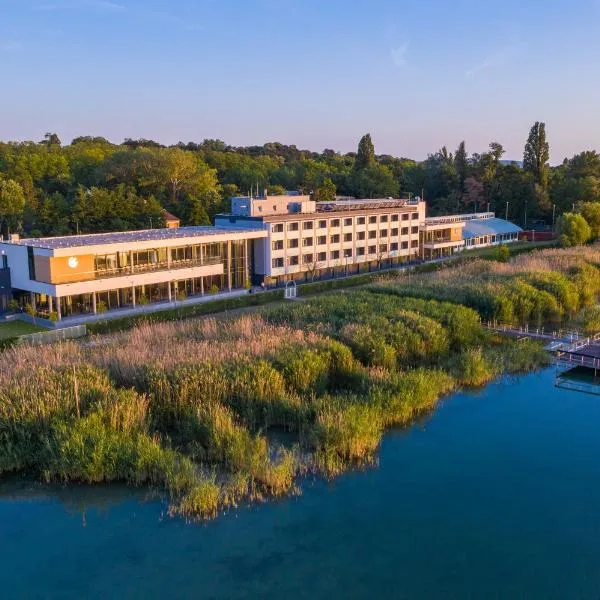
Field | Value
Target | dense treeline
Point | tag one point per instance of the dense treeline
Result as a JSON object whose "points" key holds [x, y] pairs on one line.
{"points": [[93, 185]]}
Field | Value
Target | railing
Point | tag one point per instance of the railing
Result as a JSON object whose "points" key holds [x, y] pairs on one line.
{"points": [[140, 269], [55, 335]]}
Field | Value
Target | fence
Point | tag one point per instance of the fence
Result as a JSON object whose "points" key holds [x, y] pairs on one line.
{"points": [[56, 335]]}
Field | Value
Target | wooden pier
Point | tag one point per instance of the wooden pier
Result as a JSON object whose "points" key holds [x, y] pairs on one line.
{"points": [[576, 356]]}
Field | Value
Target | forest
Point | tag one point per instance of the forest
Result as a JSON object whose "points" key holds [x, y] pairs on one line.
{"points": [[92, 185]]}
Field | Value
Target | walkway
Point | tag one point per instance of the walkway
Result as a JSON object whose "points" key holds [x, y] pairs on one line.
{"points": [[147, 309]]}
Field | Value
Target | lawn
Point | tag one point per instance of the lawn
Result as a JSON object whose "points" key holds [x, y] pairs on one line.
{"points": [[13, 329]]}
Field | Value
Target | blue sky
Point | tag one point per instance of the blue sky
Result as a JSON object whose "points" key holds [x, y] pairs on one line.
{"points": [[417, 74]]}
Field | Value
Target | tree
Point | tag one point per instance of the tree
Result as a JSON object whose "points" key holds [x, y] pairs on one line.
{"points": [[12, 204], [572, 230], [591, 213], [537, 154], [326, 191], [51, 139], [365, 157], [461, 164], [375, 181]]}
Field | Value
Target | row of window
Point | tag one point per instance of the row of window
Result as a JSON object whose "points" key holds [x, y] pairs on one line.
{"points": [[322, 223], [346, 237], [309, 259]]}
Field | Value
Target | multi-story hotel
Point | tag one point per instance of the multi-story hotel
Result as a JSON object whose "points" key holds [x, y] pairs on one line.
{"points": [[308, 240], [271, 239]]}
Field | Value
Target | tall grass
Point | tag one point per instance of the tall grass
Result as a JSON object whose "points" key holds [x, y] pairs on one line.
{"points": [[189, 407]]}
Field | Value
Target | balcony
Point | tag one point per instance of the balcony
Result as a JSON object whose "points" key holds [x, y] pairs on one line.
{"points": [[81, 277]]}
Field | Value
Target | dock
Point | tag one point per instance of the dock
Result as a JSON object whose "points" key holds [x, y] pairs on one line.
{"points": [[576, 355]]}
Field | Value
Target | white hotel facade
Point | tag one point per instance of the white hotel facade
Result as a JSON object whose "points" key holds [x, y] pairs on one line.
{"points": [[270, 239]]}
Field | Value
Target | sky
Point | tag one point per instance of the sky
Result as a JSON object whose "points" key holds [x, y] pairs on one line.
{"points": [[416, 74]]}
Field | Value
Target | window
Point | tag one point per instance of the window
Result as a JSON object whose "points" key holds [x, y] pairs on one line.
{"points": [[278, 245], [404, 231], [415, 229], [404, 245], [372, 219], [293, 243], [394, 218], [347, 237], [415, 243], [372, 249], [277, 263], [292, 261], [360, 221], [335, 239], [335, 255], [293, 227], [372, 235], [306, 242], [322, 240], [322, 256], [415, 216], [383, 233], [383, 219], [395, 232], [394, 247], [307, 225], [348, 253], [405, 216], [322, 224], [335, 222], [360, 251], [360, 235], [383, 248], [277, 228], [348, 222], [308, 259]]}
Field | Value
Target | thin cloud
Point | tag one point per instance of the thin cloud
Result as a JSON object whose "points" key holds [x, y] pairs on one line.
{"points": [[493, 61], [398, 55], [10, 46], [81, 4], [175, 20]]}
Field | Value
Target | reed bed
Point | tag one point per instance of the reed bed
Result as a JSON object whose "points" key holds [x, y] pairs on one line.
{"points": [[542, 287], [189, 407]]}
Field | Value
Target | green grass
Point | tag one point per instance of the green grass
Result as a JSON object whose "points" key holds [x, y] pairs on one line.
{"points": [[13, 329]]}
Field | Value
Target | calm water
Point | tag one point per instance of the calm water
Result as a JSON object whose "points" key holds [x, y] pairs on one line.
{"points": [[495, 496]]}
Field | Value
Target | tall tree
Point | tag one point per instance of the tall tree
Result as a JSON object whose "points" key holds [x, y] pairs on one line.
{"points": [[365, 157], [461, 164], [537, 154]]}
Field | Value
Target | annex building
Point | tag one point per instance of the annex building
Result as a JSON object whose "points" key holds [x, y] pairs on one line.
{"points": [[266, 239]]}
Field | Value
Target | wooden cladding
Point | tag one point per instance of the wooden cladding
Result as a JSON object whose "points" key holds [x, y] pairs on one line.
{"points": [[64, 269]]}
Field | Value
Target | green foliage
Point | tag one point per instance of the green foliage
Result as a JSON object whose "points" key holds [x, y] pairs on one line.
{"points": [[502, 253], [572, 230]]}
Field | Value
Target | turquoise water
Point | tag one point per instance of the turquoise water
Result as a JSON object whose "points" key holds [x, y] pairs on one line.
{"points": [[497, 495]]}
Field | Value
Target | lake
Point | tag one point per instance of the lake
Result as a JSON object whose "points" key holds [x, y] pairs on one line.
{"points": [[496, 495]]}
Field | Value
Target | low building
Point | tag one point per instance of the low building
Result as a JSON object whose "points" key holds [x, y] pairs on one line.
{"points": [[445, 235], [92, 273], [481, 231], [171, 221], [307, 240]]}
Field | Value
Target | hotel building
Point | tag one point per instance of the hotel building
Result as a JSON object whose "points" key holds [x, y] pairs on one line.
{"points": [[271, 239], [309, 240], [98, 272]]}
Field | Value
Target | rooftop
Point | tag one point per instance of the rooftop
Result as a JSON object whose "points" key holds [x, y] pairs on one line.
{"points": [[124, 237], [367, 203], [491, 226]]}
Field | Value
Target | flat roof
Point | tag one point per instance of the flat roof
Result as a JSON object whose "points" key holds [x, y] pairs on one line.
{"points": [[366, 203], [492, 226], [124, 237]]}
